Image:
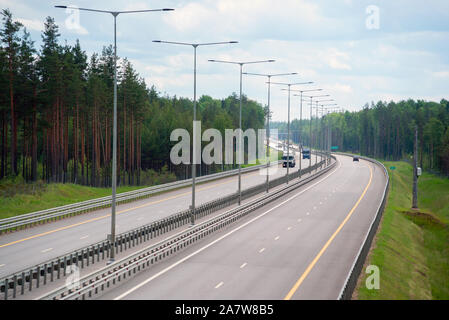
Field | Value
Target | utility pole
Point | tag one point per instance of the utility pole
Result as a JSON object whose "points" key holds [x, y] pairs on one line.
{"points": [[415, 171]]}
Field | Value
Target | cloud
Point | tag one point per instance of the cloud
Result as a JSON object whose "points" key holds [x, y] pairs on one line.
{"points": [[441, 74], [35, 25], [337, 59], [341, 88]]}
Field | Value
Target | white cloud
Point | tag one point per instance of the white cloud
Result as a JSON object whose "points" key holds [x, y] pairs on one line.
{"points": [[337, 59], [340, 88], [441, 74], [35, 25]]}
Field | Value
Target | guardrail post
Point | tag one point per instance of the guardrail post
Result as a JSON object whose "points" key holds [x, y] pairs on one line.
{"points": [[14, 288], [30, 280], [22, 289], [38, 276], [6, 288]]}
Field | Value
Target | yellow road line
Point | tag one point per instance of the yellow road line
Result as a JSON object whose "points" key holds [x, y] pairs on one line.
{"points": [[318, 256], [108, 215]]}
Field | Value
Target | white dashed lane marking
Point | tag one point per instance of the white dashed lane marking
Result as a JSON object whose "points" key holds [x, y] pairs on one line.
{"points": [[277, 238], [219, 285], [46, 250], [84, 237], [243, 265], [261, 250]]}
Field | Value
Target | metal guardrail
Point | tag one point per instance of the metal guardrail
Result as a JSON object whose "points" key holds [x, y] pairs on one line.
{"points": [[110, 275], [357, 266], [21, 282], [38, 217]]}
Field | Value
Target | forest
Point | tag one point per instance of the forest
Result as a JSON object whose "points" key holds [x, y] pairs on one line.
{"points": [[385, 131], [56, 109], [56, 118]]}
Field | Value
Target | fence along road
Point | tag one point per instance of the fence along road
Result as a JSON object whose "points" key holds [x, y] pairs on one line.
{"points": [[49, 273], [29, 247], [104, 277], [301, 246]]}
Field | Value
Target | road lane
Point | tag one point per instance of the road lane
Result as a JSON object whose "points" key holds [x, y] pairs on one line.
{"points": [[270, 273], [26, 248]]}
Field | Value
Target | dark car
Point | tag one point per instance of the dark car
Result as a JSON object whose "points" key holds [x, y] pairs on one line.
{"points": [[305, 153], [355, 158]]}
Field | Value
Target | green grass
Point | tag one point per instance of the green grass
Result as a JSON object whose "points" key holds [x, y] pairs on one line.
{"points": [[18, 197], [411, 248], [39, 196]]}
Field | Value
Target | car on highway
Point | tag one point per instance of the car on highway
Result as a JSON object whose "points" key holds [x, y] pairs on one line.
{"points": [[306, 153], [355, 158], [291, 161]]}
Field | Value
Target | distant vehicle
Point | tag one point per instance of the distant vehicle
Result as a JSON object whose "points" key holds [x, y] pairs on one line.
{"points": [[291, 161], [306, 153], [355, 158]]}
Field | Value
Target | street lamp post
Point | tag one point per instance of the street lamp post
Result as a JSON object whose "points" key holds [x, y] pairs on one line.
{"points": [[114, 136], [310, 127], [288, 122], [241, 64], [328, 141], [268, 113], [318, 135], [300, 119], [196, 149]]}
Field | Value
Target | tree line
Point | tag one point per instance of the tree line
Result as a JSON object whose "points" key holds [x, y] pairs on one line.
{"points": [[56, 116], [385, 131]]}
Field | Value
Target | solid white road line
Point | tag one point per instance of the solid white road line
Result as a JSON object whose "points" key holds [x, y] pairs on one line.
{"points": [[141, 284]]}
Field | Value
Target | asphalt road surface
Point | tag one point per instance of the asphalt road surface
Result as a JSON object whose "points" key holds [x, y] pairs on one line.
{"points": [[26, 248], [301, 246]]}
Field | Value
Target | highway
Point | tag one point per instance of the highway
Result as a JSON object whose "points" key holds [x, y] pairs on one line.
{"points": [[300, 246], [25, 248]]}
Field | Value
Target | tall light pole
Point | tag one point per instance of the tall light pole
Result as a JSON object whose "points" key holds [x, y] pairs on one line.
{"points": [[415, 171], [114, 136], [331, 107], [310, 127], [288, 122], [196, 149], [318, 135], [268, 113], [241, 64], [300, 119]]}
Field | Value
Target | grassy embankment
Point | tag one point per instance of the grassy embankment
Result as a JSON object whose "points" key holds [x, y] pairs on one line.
{"points": [[20, 198], [411, 247]]}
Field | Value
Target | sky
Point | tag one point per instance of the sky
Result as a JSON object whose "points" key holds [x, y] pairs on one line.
{"points": [[357, 51]]}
